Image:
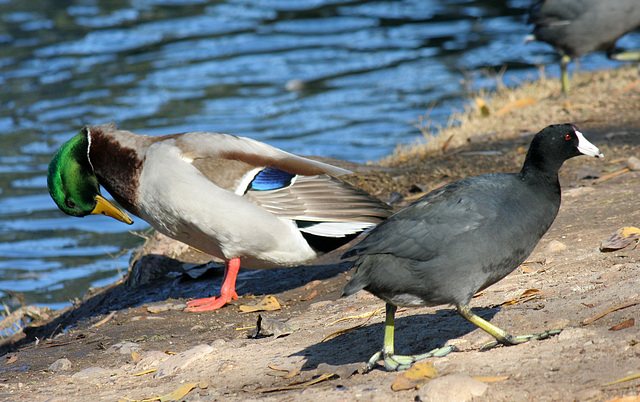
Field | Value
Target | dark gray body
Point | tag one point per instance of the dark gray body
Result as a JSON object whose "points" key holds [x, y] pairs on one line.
{"points": [[578, 27], [456, 240]]}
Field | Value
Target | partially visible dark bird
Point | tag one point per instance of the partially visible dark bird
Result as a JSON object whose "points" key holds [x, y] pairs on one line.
{"points": [[464, 237], [577, 27], [232, 197]]}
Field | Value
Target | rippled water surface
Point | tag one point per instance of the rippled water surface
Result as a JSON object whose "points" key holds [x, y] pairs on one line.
{"points": [[369, 69]]}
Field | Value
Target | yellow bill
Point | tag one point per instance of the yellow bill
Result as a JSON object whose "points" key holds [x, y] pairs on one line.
{"points": [[104, 207]]}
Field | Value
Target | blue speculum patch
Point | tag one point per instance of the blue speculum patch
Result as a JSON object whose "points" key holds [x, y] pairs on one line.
{"points": [[270, 178]]}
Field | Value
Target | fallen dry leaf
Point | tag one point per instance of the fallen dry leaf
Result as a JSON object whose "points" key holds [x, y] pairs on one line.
{"points": [[363, 315], [415, 196], [311, 285], [517, 104], [415, 377], [277, 368], [492, 379], [179, 393], [104, 320], [135, 356], [310, 296], [611, 175], [12, 359], [480, 293], [153, 370], [625, 379], [621, 239], [527, 295], [445, 146], [286, 373], [277, 371], [294, 385], [342, 331], [629, 398], [625, 324], [269, 303], [609, 310]]}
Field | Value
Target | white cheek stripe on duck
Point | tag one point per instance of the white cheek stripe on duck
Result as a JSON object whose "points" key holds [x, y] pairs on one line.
{"points": [[587, 148]]}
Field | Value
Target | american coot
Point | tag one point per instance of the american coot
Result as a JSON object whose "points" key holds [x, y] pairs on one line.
{"points": [[463, 237], [577, 27], [229, 196]]}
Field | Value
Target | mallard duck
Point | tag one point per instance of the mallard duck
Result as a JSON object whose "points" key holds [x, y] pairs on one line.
{"points": [[231, 197], [577, 27], [462, 238]]}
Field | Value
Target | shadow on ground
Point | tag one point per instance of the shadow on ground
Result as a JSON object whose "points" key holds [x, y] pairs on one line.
{"points": [[124, 294], [415, 334]]}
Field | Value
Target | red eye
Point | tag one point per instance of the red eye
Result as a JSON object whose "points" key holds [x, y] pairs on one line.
{"points": [[567, 137]]}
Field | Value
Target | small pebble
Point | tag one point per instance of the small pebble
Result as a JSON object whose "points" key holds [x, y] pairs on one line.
{"points": [[555, 246], [124, 348], [633, 163], [460, 343], [91, 372], [456, 387], [60, 365], [218, 343], [570, 334], [181, 360], [204, 382], [151, 359], [157, 308]]}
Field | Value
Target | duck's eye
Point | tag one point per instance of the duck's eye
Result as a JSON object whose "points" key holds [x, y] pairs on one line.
{"points": [[567, 136], [69, 203]]}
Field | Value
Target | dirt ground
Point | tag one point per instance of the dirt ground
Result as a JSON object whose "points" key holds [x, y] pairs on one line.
{"points": [[113, 339]]}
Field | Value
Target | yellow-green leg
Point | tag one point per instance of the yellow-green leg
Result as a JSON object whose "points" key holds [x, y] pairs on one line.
{"points": [[628, 55], [398, 362], [502, 337], [564, 74]]}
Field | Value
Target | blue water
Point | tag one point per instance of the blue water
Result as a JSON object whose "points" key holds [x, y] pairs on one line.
{"points": [[370, 69]]}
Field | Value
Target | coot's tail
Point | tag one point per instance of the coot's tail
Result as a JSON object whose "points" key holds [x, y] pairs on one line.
{"points": [[358, 282]]}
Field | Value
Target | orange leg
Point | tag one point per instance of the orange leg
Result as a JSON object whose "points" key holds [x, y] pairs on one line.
{"points": [[227, 293]]}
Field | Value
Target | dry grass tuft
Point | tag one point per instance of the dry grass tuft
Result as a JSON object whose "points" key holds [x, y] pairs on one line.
{"points": [[608, 97]]}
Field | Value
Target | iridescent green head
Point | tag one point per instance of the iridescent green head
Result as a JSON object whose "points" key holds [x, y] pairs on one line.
{"points": [[73, 185]]}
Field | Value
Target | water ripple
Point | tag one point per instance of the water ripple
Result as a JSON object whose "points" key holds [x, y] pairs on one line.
{"points": [[366, 70]]}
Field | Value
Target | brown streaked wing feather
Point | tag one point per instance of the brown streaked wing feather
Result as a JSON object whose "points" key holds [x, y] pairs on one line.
{"points": [[199, 145], [321, 198], [288, 163]]}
